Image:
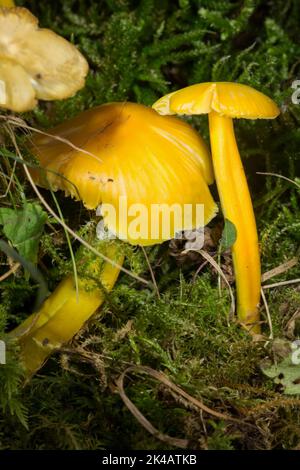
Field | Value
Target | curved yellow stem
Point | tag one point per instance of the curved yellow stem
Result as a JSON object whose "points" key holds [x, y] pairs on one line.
{"points": [[64, 313], [237, 207]]}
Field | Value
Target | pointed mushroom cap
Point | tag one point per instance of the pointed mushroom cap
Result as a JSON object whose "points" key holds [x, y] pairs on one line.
{"points": [[234, 100], [127, 150], [54, 67]]}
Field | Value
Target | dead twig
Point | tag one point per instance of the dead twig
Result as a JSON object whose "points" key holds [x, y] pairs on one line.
{"points": [[11, 271], [282, 268], [182, 443]]}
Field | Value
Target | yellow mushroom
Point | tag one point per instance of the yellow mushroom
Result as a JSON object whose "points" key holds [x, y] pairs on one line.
{"points": [[7, 3], [35, 63], [222, 102], [119, 150]]}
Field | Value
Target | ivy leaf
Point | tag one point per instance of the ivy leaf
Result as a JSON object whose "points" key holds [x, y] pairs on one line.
{"points": [[229, 235], [23, 228], [286, 374]]}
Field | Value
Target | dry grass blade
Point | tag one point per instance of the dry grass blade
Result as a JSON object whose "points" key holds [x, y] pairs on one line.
{"points": [[10, 272], [282, 283], [20, 123], [151, 272], [23, 332], [271, 336], [282, 268], [183, 443], [215, 265], [279, 176], [10, 182]]}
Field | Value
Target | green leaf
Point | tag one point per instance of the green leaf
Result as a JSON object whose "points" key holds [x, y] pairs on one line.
{"points": [[286, 374], [23, 228], [228, 236]]}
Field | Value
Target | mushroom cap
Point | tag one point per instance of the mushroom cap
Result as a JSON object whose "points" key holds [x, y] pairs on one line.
{"points": [[126, 150], [54, 68], [7, 3], [16, 91], [234, 100]]}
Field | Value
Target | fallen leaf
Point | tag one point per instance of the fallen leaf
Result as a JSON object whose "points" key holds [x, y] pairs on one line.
{"points": [[23, 228]]}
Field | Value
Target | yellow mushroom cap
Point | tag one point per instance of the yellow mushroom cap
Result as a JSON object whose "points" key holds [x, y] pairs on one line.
{"points": [[7, 3], [51, 66], [126, 150], [15, 87], [234, 100]]}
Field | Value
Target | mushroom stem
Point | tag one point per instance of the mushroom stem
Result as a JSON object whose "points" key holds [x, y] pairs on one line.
{"points": [[237, 207], [64, 313]]}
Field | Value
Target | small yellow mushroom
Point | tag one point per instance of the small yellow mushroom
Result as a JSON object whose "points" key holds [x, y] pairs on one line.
{"points": [[222, 102], [119, 150], [35, 63]]}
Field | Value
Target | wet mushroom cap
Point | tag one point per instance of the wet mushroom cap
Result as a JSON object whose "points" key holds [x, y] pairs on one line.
{"points": [[127, 150], [52, 66], [234, 100]]}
